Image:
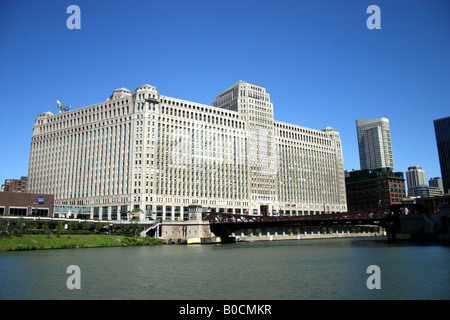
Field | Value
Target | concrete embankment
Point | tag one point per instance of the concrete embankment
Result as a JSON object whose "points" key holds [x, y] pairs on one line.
{"points": [[306, 237]]}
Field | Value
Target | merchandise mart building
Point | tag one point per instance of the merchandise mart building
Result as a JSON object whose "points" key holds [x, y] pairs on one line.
{"points": [[162, 154]]}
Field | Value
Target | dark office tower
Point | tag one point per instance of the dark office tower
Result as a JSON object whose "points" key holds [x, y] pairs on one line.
{"points": [[442, 130]]}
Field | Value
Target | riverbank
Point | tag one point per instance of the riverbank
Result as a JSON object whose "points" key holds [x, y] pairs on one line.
{"points": [[71, 241], [41, 242]]}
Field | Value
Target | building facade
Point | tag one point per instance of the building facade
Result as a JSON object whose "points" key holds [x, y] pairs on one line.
{"points": [[442, 131], [26, 204], [161, 154], [374, 142], [424, 190], [415, 176], [15, 185], [437, 183], [374, 188]]}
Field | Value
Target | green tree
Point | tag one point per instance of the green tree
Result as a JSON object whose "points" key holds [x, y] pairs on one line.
{"points": [[4, 227], [46, 229], [73, 226], [135, 227], [59, 228], [123, 229], [32, 225], [98, 226], [86, 226], [18, 227], [133, 216]]}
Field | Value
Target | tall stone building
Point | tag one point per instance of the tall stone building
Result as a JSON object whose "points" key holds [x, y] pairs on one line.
{"points": [[161, 154]]}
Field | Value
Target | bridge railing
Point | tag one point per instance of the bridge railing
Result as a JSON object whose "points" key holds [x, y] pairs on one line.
{"points": [[222, 218]]}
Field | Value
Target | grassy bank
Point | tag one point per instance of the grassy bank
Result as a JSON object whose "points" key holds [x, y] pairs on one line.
{"points": [[38, 242]]}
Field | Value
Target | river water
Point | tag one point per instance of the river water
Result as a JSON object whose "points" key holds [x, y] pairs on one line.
{"points": [[277, 270]]}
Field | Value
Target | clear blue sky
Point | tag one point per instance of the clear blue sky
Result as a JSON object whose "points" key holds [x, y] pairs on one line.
{"points": [[320, 63]]}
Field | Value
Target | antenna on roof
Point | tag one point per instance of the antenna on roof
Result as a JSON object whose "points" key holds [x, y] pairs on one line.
{"points": [[61, 107]]}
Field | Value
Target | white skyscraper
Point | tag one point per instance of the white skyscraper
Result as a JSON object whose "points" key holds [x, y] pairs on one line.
{"points": [[374, 141], [415, 176]]}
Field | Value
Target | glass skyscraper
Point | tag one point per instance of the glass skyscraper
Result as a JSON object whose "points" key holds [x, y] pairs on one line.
{"points": [[442, 131]]}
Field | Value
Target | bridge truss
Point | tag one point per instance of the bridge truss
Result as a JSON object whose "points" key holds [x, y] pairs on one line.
{"points": [[223, 224]]}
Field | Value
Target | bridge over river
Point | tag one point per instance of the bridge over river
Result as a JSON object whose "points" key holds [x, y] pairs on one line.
{"points": [[207, 227], [223, 225]]}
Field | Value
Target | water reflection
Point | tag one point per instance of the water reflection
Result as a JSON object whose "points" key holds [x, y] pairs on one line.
{"points": [[305, 269]]}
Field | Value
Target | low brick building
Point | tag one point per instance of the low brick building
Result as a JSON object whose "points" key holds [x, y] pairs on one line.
{"points": [[15, 185], [26, 204], [370, 189]]}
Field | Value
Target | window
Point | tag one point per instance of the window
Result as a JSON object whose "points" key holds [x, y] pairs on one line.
{"points": [[15, 211], [40, 212]]}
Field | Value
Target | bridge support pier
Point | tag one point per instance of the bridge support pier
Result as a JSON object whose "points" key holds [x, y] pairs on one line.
{"points": [[188, 232]]}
